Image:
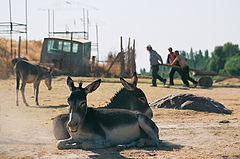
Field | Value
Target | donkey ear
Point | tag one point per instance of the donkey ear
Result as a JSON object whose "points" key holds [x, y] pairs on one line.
{"points": [[128, 86], [70, 84], [134, 79], [93, 86]]}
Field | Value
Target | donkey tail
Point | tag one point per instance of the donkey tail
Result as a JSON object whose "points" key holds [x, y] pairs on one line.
{"points": [[18, 76]]}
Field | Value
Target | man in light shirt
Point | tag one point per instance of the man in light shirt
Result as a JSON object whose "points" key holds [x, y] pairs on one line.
{"points": [[171, 57], [185, 69], [154, 62]]}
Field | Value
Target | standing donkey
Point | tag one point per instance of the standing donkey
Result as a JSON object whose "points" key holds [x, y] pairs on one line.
{"points": [[130, 97], [93, 128], [31, 73]]}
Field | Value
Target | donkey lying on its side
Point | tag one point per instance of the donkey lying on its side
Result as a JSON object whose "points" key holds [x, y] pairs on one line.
{"points": [[130, 97], [92, 128], [31, 73]]}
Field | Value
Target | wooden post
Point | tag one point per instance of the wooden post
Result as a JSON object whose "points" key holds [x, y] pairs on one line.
{"points": [[122, 73], [19, 46], [70, 59], [133, 56], [128, 71], [93, 63], [15, 53]]}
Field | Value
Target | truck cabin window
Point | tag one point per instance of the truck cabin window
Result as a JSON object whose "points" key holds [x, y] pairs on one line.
{"points": [[60, 47]]}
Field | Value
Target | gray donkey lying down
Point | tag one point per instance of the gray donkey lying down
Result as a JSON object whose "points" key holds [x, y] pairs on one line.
{"points": [[129, 97], [92, 128]]}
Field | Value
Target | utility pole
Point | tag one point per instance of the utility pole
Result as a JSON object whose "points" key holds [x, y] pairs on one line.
{"points": [[53, 20], [87, 26], [26, 28], [97, 42], [70, 59], [48, 22], [11, 25], [84, 27]]}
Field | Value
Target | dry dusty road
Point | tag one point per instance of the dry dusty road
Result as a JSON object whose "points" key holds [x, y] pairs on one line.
{"points": [[26, 132]]}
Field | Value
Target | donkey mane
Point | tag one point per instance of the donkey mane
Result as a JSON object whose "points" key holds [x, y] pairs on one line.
{"points": [[116, 100]]}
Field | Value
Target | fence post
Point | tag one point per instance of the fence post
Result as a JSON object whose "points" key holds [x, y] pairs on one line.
{"points": [[122, 73], [133, 56], [70, 57], [19, 46], [128, 71], [15, 53]]}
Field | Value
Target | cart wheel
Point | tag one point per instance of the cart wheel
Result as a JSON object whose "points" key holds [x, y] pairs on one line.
{"points": [[205, 82]]}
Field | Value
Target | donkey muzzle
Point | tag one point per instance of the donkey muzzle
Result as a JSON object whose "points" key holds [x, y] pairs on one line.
{"points": [[73, 129], [73, 126]]}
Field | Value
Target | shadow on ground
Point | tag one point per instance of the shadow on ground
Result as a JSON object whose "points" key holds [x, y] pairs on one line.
{"points": [[50, 106], [116, 153]]}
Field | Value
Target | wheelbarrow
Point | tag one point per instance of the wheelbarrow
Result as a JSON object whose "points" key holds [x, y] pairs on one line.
{"points": [[206, 80]]}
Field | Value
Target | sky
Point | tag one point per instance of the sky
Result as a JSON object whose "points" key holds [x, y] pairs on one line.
{"points": [[180, 24]]}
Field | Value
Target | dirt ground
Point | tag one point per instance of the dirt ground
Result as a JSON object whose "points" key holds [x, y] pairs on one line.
{"points": [[26, 132]]}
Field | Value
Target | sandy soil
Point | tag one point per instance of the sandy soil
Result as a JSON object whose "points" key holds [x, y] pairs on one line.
{"points": [[26, 132]]}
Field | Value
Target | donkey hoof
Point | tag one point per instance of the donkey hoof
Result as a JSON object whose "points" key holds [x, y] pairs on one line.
{"points": [[60, 145], [26, 104]]}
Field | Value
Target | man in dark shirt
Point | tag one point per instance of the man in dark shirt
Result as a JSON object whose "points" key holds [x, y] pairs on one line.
{"points": [[154, 61]]}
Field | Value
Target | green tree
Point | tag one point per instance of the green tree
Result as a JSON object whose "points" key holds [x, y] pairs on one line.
{"points": [[142, 71], [183, 53], [232, 66], [221, 54], [223, 60], [191, 59], [206, 55], [230, 50]]}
